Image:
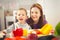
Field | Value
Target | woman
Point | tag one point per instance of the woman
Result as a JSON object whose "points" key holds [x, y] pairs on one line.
{"points": [[37, 19]]}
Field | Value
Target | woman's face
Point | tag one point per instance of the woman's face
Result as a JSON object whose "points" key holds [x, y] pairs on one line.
{"points": [[35, 14]]}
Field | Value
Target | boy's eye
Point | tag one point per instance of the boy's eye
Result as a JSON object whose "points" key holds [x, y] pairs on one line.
{"points": [[20, 14]]}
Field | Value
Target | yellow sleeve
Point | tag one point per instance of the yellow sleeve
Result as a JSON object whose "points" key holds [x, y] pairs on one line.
{"points": [[46, 29]]}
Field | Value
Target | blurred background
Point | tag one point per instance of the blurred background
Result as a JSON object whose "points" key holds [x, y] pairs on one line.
{"points": [[51, 10]]}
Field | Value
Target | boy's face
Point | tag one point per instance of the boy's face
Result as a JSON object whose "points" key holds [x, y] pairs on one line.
{"points": [[21, 15]]}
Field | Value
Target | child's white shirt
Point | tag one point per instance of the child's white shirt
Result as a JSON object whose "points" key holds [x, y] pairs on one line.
{"points": [[17, 25]]}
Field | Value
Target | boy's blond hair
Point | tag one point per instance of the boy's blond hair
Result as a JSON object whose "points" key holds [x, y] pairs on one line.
{"points": [[23, 9]]}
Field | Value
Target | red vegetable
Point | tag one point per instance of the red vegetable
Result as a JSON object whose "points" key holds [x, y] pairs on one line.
{"points": [[18, 32]]}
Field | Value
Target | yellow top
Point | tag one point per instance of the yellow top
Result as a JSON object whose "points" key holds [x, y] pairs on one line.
{"points": [[46, 29]]}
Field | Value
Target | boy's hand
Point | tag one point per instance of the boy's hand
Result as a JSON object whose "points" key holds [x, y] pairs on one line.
{"points": [[1, 34]]}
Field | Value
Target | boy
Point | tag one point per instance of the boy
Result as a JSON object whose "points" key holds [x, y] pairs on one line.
{"points": [[21, 17]]}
